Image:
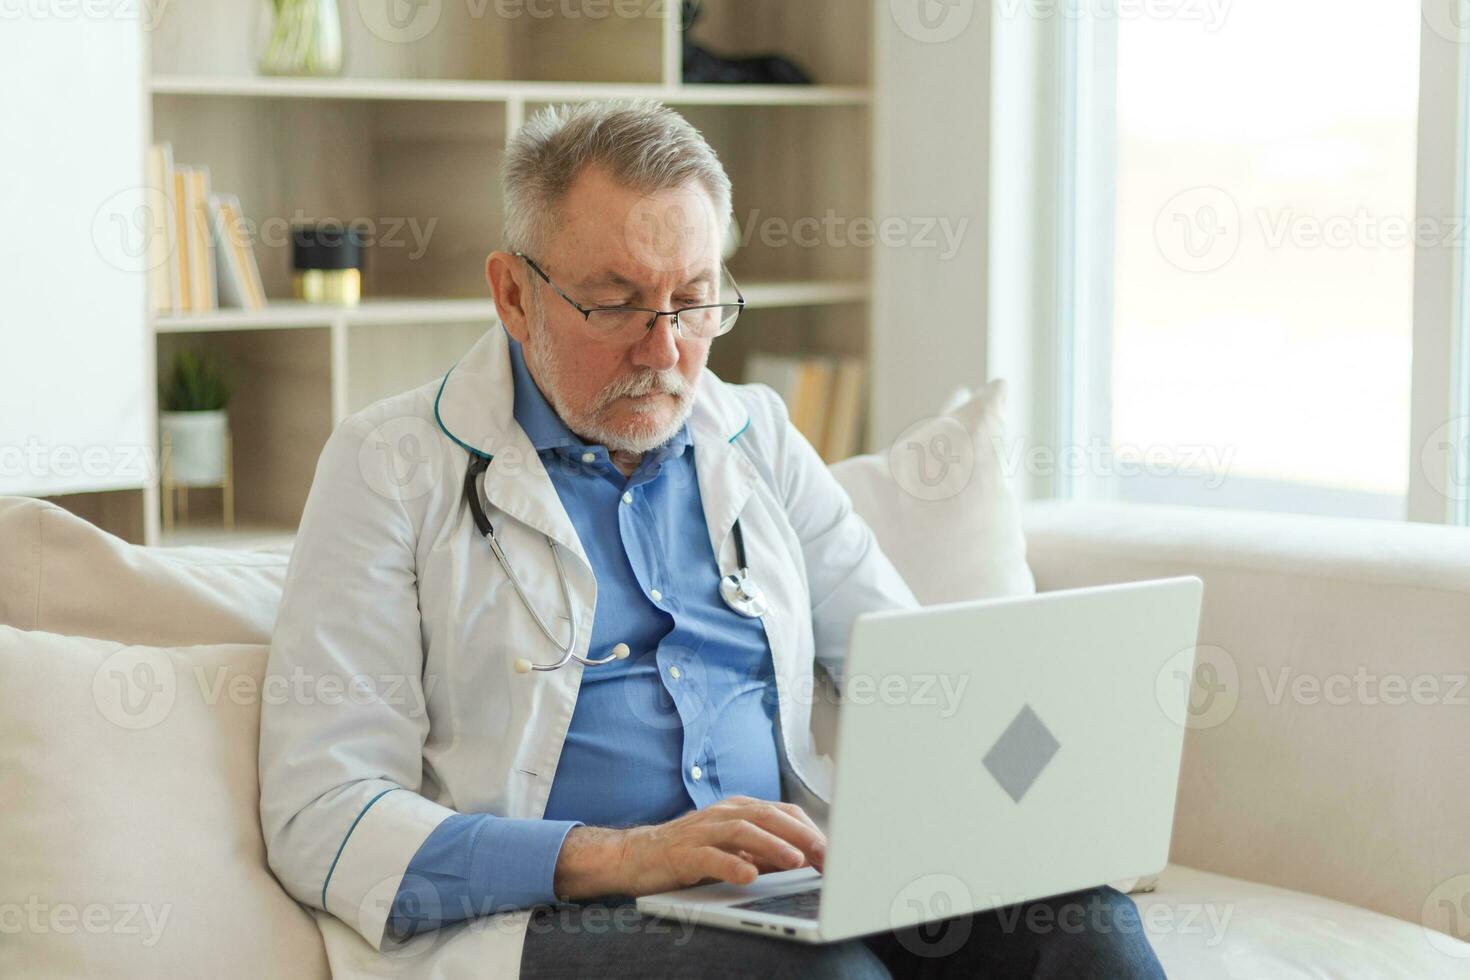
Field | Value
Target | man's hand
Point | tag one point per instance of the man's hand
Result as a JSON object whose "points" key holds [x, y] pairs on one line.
{"points": [[733, 840]]}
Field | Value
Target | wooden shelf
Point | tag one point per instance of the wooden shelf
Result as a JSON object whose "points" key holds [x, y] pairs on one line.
{"points": [[290, 314], [436, 90], [768, 294], [296, 314]]}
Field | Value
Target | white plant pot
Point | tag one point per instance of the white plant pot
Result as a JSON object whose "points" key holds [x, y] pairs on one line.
{"points": [[197, 445]]}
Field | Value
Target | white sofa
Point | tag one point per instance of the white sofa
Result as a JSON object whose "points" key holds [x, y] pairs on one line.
{"points": [[1318, 769], [1312, 838]]}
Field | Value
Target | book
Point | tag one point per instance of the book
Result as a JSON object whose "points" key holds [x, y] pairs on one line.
{"points": [[247, 253], [809, 405], [843, 436], [824, 397], [183, 299], [163, 287], [777, 371], [236, 272], [203, 288]]}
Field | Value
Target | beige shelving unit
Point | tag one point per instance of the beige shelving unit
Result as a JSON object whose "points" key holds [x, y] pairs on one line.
{"points": [[414, 132]]}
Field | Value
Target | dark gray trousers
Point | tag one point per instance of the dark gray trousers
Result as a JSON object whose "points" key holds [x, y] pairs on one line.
{"points": [[1088, 934]]}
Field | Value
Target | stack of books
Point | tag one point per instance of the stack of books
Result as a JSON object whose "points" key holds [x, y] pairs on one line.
{"points": [[199, 255], [824, 396]]}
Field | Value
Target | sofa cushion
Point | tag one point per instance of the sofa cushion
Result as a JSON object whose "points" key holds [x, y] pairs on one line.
{"points": [[940, 506], [1209, 927], [135, 850], [63, 575]]}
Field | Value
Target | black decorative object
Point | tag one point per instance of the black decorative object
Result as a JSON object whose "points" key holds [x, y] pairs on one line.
{"points": [[326, 262], [702, 66]]}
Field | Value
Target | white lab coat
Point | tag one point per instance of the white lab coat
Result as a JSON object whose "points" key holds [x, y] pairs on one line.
{"points": [[394, 701]]}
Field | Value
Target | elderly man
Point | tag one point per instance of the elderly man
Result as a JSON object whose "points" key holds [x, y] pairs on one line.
{"points": [[510, 580]]}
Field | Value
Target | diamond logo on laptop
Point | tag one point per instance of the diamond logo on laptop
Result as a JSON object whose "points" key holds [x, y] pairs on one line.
{"points": [[1021, 753]]}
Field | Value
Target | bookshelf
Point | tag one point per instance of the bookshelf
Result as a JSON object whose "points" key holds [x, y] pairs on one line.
{"points": [[414, 130], [436, 90]]}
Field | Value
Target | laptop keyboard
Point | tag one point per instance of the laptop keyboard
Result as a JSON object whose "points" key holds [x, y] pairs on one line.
{"points": [[798, 905]]}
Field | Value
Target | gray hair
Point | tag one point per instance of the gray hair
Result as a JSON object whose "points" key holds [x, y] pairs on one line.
{"points": [[641, 143]]}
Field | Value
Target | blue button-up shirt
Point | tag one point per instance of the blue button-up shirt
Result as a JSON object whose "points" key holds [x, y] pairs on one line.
{"points": [[687, 719]]}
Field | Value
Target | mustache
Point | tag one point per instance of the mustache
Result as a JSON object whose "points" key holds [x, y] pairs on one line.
{"points": [[643, 383]]}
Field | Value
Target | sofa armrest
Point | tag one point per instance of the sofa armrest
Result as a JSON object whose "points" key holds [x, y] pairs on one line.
{"points": [[1332, 763]]}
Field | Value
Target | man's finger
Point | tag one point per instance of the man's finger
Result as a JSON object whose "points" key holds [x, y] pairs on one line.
{"points": [[713, 862], [768, 848], [800, 834], [798, 813]]}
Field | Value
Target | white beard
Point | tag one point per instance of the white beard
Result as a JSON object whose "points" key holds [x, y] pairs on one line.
{"points": [[589, 423]]}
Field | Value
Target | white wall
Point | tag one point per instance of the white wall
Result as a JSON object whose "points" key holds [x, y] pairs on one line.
{"points": [[75, 379], [931, 133]]}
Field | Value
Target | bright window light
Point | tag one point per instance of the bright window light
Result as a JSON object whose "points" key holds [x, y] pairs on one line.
{"points": [[1265, 233]]}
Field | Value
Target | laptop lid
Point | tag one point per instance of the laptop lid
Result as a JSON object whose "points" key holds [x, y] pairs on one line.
{"points": [[1003, 750]]}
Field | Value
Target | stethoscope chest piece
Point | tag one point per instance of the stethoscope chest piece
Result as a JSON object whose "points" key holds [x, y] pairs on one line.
{"points": [[737, 589], [743, 595]]}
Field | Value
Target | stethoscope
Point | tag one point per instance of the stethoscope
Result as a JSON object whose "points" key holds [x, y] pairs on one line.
{"points": [[737, 589]]}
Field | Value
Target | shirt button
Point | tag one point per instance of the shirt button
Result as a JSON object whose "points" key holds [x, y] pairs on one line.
{"points": [[588, 457], [627, 497], [655, 594], [674, 672], [696, 772]]}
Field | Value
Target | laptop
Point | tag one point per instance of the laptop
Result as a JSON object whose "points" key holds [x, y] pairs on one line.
{"points": [[987, 753]]}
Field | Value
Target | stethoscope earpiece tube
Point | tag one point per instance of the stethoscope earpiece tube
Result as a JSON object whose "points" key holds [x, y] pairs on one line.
{"points": [[739, 592], [472, 494], [522, 665]]}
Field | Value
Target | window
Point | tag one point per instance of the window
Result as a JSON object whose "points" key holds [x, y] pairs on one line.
{"points": [[1240, 227]]}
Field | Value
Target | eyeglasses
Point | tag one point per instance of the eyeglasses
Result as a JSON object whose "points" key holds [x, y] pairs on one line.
{"points": [[701, 322]]}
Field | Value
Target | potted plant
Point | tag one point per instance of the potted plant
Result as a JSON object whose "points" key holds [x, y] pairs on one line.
{"points": [[192, 418]]}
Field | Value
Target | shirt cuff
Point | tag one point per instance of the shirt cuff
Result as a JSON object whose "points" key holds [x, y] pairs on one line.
{"points": [[476, 864], [516, 860]]}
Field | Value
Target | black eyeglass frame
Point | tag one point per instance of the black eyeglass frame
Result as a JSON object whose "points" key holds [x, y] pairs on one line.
{"points": [[587, 311]]}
